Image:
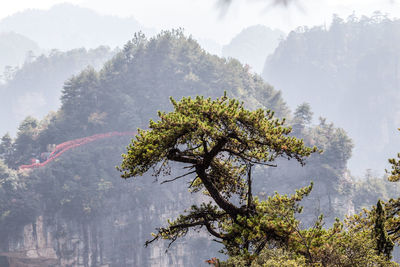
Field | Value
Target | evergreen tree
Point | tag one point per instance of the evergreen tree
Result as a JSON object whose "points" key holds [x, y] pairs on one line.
{"points": [[302, 118], [384, 245], [6, 148], [219, 141]]}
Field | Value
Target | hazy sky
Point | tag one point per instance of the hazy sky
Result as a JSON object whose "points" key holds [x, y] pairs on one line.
{"points": [[202, 19]]}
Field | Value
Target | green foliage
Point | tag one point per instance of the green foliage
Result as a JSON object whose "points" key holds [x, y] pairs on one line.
{"points": [[335, 143], [78, 185], [302, 118], [139, 79], [25, 144], [270, 258], [394, 174], [368, 190], [6, 149], [220, 140], [329, 169], [17, 203], [80, 101], [383, 241], [351, 248], [352, 245], [333, 184], [382, 223], [200, 124], [392, 208]]}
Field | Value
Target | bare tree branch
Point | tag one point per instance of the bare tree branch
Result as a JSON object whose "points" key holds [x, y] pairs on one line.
{"points": [[176, 178]]}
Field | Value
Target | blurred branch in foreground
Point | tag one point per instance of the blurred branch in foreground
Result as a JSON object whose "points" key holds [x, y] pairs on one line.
{"points": [[224, 5], [274, 2]]}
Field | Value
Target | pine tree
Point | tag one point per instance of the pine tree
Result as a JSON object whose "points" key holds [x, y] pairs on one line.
{"points": [[6, 148], [384, 245], [219, 141], [302, 118]]}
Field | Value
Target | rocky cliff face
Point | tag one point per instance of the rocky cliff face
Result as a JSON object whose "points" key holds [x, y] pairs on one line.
{"points": [[114, 240], [117, 239], [33, 247], [87, 216]]}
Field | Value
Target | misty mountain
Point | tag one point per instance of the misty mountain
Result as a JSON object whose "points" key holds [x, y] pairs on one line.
{"points": [[34, 88], [14, 49], [252, 46], [81, 186], [67, 26], [80, 194], [350, 74], [141, 78]]}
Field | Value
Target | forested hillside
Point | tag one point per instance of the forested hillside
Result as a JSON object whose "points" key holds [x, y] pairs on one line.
{"points": [[34, 88], [122, 96], [349, 73]]}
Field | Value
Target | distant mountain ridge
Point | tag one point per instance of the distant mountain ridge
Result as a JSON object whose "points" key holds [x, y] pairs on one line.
{"points": [[252, 46], [14, 48], [349, 73], [66, 26], [34, 89]]}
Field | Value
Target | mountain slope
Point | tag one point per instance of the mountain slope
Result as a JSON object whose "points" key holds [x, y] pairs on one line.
{"points": [[14, 49], [80, 195], [140, 80], [349, 73], [34, 88], [78, 203]]}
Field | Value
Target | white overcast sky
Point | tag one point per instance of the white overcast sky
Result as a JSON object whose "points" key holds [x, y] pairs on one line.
{"points": [[202, 19]]}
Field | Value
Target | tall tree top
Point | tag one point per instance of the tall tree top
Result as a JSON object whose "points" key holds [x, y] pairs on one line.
{"points": [[218, 137]]}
